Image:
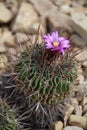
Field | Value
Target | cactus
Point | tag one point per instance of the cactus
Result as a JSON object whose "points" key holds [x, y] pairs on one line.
{"points": [[43, 76], [7, 119]]}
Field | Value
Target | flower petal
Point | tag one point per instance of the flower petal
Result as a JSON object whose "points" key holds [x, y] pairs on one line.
{"points": [[47, 38], [61, 39], [65, 44], [48, 46], [55, 36], [62, 51]]}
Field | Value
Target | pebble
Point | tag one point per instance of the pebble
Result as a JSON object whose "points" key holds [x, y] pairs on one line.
{"points": [[3, 62], [79, 24], [26, 19], [82, 56], [78, 110], [84, 64], [44, 6], [79, 79], [78, 40], [5, 13], [12, 5], [59, 21], [80, 121], [57, 126], [72, 128], [74, 102]]}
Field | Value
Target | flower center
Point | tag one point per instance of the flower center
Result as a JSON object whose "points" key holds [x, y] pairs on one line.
{"points": [[55, 44]]}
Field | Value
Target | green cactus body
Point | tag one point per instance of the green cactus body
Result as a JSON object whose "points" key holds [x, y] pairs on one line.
{"points": [[7, 119], [43, 76]]}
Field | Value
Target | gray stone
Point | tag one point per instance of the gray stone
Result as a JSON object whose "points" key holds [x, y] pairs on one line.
{"points": [[56, 19], [26, 20], [44, 7], [79, 24], [59, 21], [82, 56], [78, 40], [62, 2], [72, 128]]}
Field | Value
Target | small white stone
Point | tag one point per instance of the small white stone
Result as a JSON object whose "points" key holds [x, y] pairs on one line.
{"points": [[72, 128], [5, 13]]}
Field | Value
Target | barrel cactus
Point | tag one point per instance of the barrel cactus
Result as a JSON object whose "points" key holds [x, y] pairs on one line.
{"points": [[44, 72], [7, 119]]}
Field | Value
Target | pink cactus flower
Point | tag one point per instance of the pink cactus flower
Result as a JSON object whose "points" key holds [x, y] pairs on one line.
{"points": [[56, 43]]}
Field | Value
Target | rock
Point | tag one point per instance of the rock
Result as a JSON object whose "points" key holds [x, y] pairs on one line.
{"points": [[23, 38], [11, 42], [2, 48], [84, 103], [74, 102], [78, 110], [76, 120], [84, 68], [12, 5], [79, 92], [43, 7], [85, 115], [12, 54], [5, 14], [7, 38], [81, 2], [62, 2], [66, 9], [68, 112], [57, 126], [79, 79], [59, 21], [78, 40], [85, 108], [82, 56], [80, 27], [85, 3], [84, 64], [35, 26], [27, 19], [79, 70], [84, 100], [3, 63], [72, 128]]}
